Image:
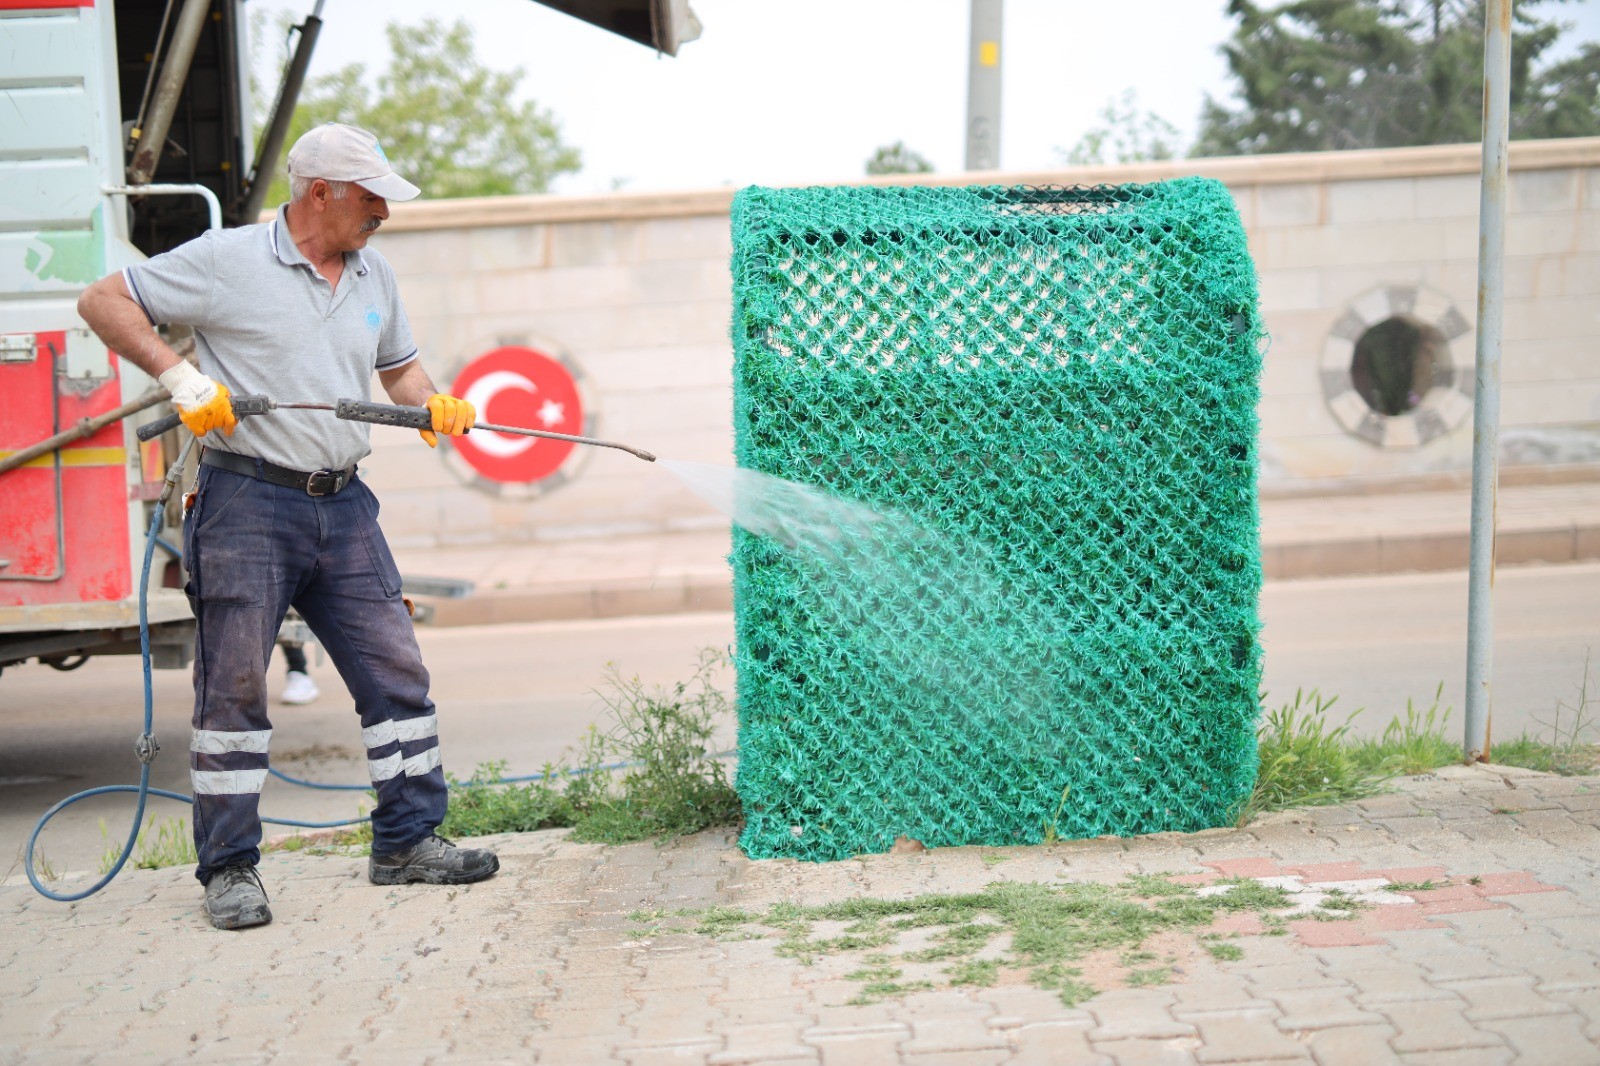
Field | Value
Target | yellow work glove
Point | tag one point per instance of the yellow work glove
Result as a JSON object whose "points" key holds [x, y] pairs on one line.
{"points": [[203, 404], [450, 415]]}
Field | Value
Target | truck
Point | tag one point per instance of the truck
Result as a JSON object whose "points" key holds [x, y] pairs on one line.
{"points": [[125, 130]]}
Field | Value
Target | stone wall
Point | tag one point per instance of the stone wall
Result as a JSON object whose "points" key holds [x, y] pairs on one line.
{"points": [[632, 292]]}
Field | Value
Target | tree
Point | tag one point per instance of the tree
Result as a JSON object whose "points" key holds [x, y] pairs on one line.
{"points": [[1317, 75], [1126, 135], [450, 125], [896, 158]]}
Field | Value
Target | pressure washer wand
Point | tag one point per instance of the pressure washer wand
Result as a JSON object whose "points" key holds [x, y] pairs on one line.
{"points": [[379, 414]]}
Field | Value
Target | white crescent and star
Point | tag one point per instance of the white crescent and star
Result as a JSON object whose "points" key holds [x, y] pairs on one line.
{"points": [[479, 395]]}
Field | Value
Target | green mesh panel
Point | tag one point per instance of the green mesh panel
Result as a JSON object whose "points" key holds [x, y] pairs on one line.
{"points": [[1053, 393]]}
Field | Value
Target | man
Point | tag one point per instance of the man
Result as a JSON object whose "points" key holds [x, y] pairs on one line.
{"points": [[299, 309]]}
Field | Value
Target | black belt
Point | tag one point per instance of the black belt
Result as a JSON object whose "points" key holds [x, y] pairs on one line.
{"points": [[316, 483]]}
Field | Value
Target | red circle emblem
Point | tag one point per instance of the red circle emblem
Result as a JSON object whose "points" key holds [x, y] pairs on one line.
{"points": [[525, 388]]}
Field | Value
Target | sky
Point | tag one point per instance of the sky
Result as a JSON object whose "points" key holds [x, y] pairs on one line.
{"points": [[782, 92]]}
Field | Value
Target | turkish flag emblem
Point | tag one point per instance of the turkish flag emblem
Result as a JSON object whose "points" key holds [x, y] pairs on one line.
{"points": [[521, 387]]}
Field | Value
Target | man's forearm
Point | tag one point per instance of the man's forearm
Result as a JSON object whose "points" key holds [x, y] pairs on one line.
{"points": [[410, 385], [120, 322]]}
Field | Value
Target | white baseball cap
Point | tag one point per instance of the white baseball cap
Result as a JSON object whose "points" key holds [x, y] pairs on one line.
{"points": [[336, 152]]}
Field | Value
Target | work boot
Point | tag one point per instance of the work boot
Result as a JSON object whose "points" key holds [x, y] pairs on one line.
{"points": [[434, 860], [236, 899]]}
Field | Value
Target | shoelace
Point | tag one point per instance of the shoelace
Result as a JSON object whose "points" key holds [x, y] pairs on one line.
{"points": [[233, 875]]}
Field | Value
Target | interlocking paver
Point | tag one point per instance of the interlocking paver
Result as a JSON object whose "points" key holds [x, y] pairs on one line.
{"points": [[866, 1049], [1554, 1038], [1136, 1014], [1435, 1025], [1504, 997], [1246, 1035], [1352, 1044], [1303, 1010], [1048, 1044], [539, 964], [1467, 1057], [1174, 1051]]}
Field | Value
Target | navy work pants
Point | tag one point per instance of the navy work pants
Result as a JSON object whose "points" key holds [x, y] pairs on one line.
{"points": [[253, 550]]}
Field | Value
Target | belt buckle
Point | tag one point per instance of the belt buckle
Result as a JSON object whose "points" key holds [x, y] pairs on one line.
{"points": [[324, 482]]}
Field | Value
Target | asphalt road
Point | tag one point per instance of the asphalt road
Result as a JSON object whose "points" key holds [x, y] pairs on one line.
{"points": [[523, 694]]}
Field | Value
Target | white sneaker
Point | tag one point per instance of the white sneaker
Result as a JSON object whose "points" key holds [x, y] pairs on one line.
{"points": [[300, 689]]}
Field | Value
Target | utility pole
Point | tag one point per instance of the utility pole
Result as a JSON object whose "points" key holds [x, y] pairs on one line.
{"points": [[983, 86], [1486, 391]]}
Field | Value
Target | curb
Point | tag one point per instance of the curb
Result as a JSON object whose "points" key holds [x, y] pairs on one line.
{"points": [[1284, 561], [577, 601], [1425, 552]]}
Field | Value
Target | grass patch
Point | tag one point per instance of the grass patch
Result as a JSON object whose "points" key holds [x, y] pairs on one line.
{"points": [[1158, 975], [1305, 762], [1224, 951], [1044, 932], [355, 840], [1566, 746], [1413, 745], [648, 774], [980, 973], [42, 868], [171, 844], [1308, 762]]}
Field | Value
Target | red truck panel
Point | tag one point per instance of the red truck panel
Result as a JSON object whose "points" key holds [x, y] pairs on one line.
{"points": [[94, 489]]}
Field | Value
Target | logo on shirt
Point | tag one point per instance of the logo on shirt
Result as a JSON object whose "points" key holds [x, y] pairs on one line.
{"points": [[374, 319]]}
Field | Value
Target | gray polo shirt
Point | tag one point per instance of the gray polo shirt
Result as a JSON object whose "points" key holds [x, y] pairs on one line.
{"points": [[267, 323]]}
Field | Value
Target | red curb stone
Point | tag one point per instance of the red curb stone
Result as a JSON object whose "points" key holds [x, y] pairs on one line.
{"points": [[1397, 919], [1315, 934], [1412, 873], [1511, 884], [1329, 871], [1460, 906], [1246, 867]]}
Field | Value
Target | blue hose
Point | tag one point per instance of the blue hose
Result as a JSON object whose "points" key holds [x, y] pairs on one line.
{"points": [[146, 746]]}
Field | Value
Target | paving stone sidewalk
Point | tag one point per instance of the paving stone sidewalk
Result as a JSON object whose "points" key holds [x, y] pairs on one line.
{"points": [[550, 962]]}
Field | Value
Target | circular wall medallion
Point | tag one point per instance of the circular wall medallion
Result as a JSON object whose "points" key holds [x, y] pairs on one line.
{"points": [[518, 385], [1397, 367]]}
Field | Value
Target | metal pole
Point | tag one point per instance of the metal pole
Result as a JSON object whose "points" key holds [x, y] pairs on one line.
{"points": [[152, 136], [1486, 392], [85, 427], [983, 86], [266, 161]]}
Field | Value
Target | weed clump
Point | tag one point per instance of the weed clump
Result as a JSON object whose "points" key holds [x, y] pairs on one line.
{"points": [[1304, 763], [1570, 748], [649, 774], [170, 845]]}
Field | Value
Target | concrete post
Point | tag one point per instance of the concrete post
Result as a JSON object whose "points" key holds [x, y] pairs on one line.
{"points": [[983, 86], [1486, 393]]}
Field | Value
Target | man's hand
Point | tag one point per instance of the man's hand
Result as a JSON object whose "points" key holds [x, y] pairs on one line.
{"points": [[450, 416], [203, 404]]}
